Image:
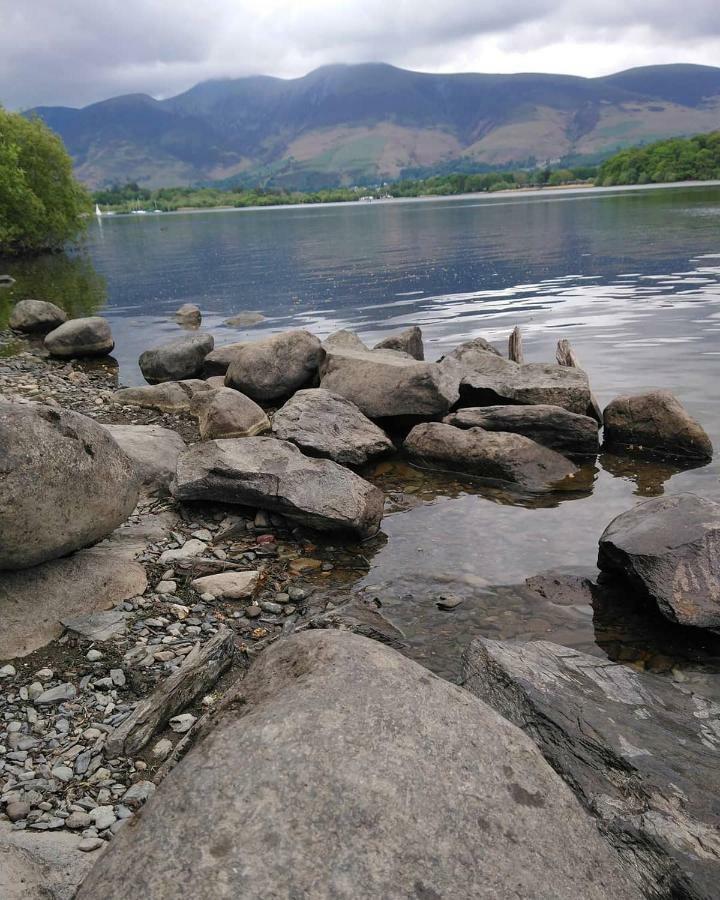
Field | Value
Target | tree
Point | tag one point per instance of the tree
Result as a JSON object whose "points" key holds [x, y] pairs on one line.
{"points": [[41, 203]]}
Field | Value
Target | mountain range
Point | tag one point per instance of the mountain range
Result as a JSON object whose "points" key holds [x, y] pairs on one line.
{"points": [[360, 124]]}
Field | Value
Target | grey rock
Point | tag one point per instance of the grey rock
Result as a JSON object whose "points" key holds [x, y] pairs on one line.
{"points": [[217, 362], [89, 844], [343, 340], [226, 413], [58, 694], [383, 384], [98, 626], [77, 820], [276, 366], [81, 337], [64, 483], [172, 396], [409, 341], [189, 314], [245, 319], [36, 315], [669, 547], [640, 753], [176, 360], [17, 810], [496, 455], [182, 723], [265, 473], [138, 793], [551, 426], [656, 423], [325, 424], [471, 352], [103, 817], [154, 451], [293, 765]]}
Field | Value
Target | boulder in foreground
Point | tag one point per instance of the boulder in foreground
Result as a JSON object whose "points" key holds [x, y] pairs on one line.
{"points": [[669, 547], [343, 770], [176, 360], [36, 315], [64, 483], [81, 337], [496, 455], [172, 396], [154, 451], [639, 752], [266, 473], [276, 366], [409, 341], [326, 424], [655, 423], [225, 413]]}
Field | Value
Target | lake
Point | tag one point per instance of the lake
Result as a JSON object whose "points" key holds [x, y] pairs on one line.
{"points": [[631, 278]]}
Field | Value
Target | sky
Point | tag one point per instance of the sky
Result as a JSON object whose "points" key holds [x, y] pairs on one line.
{"points": [[75, 52]]}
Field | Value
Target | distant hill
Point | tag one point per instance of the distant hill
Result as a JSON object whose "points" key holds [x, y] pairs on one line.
{"points": [[372, 122]]}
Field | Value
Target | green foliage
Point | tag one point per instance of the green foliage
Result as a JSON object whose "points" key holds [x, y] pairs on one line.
{"points": [[41, 204], [678, 159]]}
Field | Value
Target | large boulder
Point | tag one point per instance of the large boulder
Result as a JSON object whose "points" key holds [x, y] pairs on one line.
{"points": [[64, 483], [172, 396], [265, 473], [176, 360], [409, 341], [275, 367], [225, 413], [384, 384], [504, 457], [343, 770], [343, 340], [154, 451], [656, 423], [81, 337], [217, 362], [325, 424], [551, 426], [638, 750], [669, 547], [36, 315]]}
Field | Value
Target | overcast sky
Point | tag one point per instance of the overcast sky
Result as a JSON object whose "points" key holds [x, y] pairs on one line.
{"points": [[73, 52]]}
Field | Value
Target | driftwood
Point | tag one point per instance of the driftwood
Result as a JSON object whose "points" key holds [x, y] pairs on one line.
{"points": [[566, 356], [200, 670], [515, 346]]}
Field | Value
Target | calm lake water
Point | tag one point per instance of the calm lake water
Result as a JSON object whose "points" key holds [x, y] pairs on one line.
{"points": [[632, 278]]}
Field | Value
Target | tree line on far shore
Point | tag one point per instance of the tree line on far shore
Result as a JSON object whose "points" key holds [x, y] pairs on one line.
{"points": [[677, 159]]}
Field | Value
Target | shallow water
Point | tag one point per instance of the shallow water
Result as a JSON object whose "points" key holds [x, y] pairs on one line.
{"points": [[632, 278]]}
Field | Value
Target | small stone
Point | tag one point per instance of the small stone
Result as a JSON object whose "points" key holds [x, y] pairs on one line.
{"points": [[449, 603], [17, 811], [89, 844], [138, 793], [162, 749], [203, 535], [102, 816], [7, 671], [44, 675], [188, 550], [182, 723], [77, 820], [62, 773], [56, 695], [118, 677], [166, 587], [93, 655], [270, 607], [252, 612], [34, 691]]}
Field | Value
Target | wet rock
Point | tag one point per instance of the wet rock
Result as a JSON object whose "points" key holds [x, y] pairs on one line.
{"points": [[154, 451], [343, 340], [228, 585], [409, 341], [36, 316], [173, 396], [81, 337], [245, 319], [551, 426], [276, 366], [229, 414], [498, 822], [669, 547], [64, 483], [176, 360], [655, 423], [326, 424], [505, 457], [189, 314], [640, 753], [383, 384], [274, 475]]}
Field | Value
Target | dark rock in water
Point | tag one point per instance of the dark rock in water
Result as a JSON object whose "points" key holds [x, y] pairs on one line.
{"points": [[325, 424], [154, 451], [36, 316], [551, 426], [505, 457], [266, 473], [217, 362], [225, 413], [81, 337], [352, 772], [343, 340], [172, 396], [64, 483], [176, 360], [383, 384], [409, 341], [670, 548], [276, 366], [189, 314], [639, 752], [657, 423]]}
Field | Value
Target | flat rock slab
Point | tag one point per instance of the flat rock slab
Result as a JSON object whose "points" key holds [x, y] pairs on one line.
{"points": [[500, 456], [172, 396], [154, 451], [98, 626], [669, 547], [639, 752], [340, 769], [552, 426], [325, 424], [266, 473], [176, 360]]}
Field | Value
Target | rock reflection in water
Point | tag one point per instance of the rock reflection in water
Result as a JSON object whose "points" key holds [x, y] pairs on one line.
{"points": [[648, 475]]}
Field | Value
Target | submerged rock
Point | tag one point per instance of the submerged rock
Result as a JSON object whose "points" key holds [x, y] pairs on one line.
{"points": [[225, 413], [670, 548], [266, 473], [505, 457], [638, 751], [176, 360], [326, 424], [463, 804], [172, 396], [655, 422], [409, 341], [81, 337], [551, 426], [64, 483], [36, 315], [276, 366], [154, 451], [245, 319]]}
